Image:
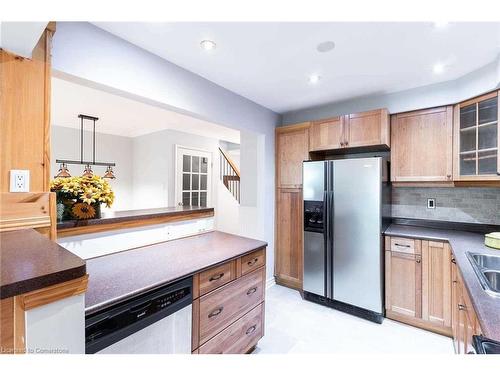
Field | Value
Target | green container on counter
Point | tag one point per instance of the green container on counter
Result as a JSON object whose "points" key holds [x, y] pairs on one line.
{"points": [[492, 240]]}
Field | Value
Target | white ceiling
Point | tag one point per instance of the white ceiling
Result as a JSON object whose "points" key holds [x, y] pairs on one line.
{"points": [[269, 63], [21, 37], [123, 116]]}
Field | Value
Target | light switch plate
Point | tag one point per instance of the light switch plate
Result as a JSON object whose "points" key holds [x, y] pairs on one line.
{"points": [[19, 181]]}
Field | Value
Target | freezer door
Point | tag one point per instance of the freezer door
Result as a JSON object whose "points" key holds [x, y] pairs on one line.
{"points": [[313, 184], [357, 253], [314, 263]]}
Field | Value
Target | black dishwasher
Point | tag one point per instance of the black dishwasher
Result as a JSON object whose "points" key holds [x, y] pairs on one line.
{"points": [[483, 345], [109, 326]]}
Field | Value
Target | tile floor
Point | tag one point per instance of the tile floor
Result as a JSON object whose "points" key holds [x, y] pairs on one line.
{"points": [[297, 326]]}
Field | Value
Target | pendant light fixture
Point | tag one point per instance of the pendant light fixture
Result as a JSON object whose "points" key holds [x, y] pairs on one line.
{"points": [[64, 171], [109, 173], [88, 172]]}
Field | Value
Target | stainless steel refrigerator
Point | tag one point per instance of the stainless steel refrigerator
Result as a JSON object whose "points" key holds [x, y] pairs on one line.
{"points": [[346, 204]]}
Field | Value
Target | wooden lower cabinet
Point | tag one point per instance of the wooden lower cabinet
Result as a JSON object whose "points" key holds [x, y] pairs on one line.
{"points": [[240, 336], [228, 315], [418, 283], [464, 322], [289, 238]]}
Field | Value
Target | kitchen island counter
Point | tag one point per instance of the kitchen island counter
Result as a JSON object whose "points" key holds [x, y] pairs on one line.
{"points": [[116, 277]]}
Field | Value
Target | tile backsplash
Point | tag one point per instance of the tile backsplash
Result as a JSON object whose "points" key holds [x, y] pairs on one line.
{"points": [[469, 205]]}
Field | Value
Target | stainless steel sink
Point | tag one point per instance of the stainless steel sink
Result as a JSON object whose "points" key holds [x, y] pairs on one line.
{"points": [[487, 269]]}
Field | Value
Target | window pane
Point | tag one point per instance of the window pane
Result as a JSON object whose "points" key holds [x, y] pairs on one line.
{"points": [[488, 136], [468, 164], [186, 163], [204, 165], [203, 199], [185, 199], [203, 182], [196, 163], [196, 179], [468, 139], [468, 116], [487, 162], [186, 182], [488, 110], [194, 199]]}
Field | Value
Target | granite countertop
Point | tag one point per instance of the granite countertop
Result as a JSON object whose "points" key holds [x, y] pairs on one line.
{"points": [[114, 277], [121, 216], [30, 261], [487, 307]]}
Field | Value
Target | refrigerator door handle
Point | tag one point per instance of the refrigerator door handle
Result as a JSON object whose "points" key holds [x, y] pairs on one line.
{"points": [[326, 236]]}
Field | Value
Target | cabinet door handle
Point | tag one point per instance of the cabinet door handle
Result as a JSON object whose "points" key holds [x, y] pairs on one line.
{"points": [[418, 261], [251, 329], [453, 261], [448, 176], [253, 261], [461, 307], [216, 277], [216, 312], [251, 291]]}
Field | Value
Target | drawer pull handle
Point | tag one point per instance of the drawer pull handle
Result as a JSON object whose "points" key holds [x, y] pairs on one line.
{"points": [[251, 329], [251, 291], [216, 277], [397, 244], [461, 307], [253, 261], [215, 312]]}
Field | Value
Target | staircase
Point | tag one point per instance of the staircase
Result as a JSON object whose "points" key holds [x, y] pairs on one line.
{"points": [[229, 175]]}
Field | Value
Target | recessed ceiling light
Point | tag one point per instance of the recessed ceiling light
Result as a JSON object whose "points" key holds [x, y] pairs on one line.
{"points": [[208, 45], [314, 78], [438, 68], [440, 24], [325, 46]]}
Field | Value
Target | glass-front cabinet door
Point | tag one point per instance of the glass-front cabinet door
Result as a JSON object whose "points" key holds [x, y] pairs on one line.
{"points": [[477, 139]]}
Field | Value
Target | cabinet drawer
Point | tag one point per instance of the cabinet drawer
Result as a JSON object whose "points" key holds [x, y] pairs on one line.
{"points": [[403, 245], [223, 306], [216, 277], [252, 261], [239, 337]]}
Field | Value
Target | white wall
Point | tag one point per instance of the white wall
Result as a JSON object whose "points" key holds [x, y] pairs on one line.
{"points": [[101, 60], [65, 144]]}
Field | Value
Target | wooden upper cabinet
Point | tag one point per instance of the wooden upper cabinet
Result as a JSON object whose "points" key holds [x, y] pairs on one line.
{"points": [[355, 130], [477, 139], [422, 146], [367, 129], [292, 148], [327, 134]]}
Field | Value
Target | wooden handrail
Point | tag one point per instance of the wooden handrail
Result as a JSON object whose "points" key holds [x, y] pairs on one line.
{"points": [[228, 159]]}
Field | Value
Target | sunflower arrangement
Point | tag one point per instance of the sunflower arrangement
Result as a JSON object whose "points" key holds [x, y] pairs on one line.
{"points": [[82, 196]]}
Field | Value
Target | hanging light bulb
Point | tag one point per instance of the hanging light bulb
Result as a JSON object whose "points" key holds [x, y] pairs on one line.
{"points": [[109, 173], [87, 172], [63, 171]]}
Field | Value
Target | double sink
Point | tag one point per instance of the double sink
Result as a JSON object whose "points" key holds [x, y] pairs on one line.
{"points": [[487, 269]]}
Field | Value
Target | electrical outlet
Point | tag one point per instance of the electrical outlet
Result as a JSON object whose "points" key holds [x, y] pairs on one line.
{"points": [[431, 203], [19, 181]]}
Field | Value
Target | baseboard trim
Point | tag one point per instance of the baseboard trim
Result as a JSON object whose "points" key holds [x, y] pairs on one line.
{"points": [[270, 282]]}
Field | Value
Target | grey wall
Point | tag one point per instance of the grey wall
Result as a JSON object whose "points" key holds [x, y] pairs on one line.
{"points": [[65, 144], [482, 80], [99, 59], [469, 205]]}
